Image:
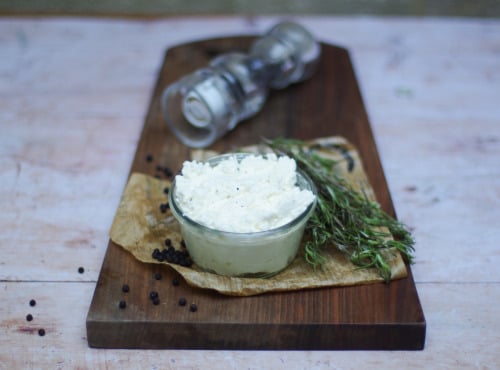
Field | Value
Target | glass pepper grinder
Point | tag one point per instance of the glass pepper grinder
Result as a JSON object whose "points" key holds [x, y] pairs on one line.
{"points": [[203, 106]]}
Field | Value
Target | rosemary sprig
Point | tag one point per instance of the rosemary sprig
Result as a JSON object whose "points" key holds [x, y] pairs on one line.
{"points": [[345, 217]]}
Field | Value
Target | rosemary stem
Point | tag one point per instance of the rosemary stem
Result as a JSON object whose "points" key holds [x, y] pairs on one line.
{"points": [[345, 217]]}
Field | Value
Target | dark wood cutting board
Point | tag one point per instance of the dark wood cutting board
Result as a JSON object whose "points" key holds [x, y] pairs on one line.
{"points": [[376, 316]]}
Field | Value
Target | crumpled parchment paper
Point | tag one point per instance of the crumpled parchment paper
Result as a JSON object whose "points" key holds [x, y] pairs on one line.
{"points": [[139, 227]]}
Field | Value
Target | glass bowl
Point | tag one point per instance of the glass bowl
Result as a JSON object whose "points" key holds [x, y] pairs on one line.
{"points": [[247, 254]]}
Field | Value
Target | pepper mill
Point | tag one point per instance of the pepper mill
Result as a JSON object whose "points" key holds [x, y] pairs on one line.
{"points": [[201, 107]]}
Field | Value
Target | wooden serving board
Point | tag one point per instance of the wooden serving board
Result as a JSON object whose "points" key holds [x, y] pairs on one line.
{"points": [[377, 316]]}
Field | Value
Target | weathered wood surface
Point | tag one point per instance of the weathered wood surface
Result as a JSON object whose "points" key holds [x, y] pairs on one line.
{"points": [[74, 93]]}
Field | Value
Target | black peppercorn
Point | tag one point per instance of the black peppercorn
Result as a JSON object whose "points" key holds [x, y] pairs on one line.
{"points": [[122, 304], [157, 276], [175, 282], [125, 288], [171, 255], [193, 307], [167, 172], [182, 301], [81, 270], [186, 262], [41, 332], [153, 294], [156, 301], [166, 190], [149, 158], [29, 317], [32, 303]]}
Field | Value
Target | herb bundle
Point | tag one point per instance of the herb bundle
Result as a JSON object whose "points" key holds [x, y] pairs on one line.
{"points": [[345, 217]]}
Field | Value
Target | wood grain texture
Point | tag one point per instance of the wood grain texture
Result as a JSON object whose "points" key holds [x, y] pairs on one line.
{"points": [[375, 316]]}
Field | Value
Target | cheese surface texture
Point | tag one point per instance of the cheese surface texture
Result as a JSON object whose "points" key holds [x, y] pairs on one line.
{"points": [[251, 194]]}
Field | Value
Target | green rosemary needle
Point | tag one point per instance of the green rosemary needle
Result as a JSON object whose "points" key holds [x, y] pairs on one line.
{"points": [[345, 217]]}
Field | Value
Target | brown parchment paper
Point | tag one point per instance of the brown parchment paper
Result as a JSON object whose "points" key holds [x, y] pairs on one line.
{"points": [[139, 227]]}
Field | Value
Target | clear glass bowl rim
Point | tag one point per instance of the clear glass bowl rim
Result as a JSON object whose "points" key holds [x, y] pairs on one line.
{"points": [[177, 211]]}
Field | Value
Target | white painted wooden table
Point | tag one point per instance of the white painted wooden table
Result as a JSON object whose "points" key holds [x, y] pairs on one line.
{"points": [[73, 96]]}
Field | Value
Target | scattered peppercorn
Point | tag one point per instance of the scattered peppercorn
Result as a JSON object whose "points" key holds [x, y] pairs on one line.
{"points": [[182, 301], [81, 270], [29, 317], [168, 242], [149, 158], [193, 307], [157, 276], [153, 295], [175, 282], [164, 207], [125, 288], [167, 172], [122, 304], [172, 255], [156, 301], [166, 190], [32, 303], [41, 332]]}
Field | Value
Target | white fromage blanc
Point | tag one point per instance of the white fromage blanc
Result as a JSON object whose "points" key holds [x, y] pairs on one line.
{"points": [[255, 193]]}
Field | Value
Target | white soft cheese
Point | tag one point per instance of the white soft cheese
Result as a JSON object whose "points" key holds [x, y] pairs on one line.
{"points": [[255, 194]]}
